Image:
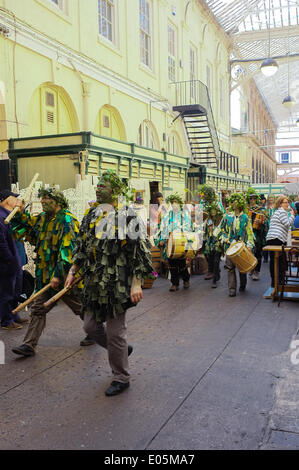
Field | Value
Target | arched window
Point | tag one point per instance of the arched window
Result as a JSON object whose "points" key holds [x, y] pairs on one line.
{"points": [[173, 144], [109, 123], [147, 135], [51, 111]]}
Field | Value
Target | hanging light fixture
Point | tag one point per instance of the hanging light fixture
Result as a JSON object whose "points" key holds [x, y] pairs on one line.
{"points": [[269, 66], [288, 101]]}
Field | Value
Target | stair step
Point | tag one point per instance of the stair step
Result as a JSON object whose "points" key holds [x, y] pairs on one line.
{"points": [[192, 121], [203, 133], [198, 132], [202, 148], [198, 127]]}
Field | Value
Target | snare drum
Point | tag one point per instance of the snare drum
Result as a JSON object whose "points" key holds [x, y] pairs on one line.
{"points": [[183, 244], [242, 258]]}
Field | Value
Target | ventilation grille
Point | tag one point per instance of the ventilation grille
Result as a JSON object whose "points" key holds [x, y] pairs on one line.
{"points": [[50, 117]]}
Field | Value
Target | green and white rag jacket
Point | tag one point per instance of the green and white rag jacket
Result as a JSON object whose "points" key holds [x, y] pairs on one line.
{"points": [[110, 258]]}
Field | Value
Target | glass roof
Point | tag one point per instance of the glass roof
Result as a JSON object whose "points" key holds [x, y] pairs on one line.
{"points": [[260, 29]]}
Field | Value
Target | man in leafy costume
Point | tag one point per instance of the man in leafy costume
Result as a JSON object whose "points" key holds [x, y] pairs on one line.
{"points": [[260, 229], [53, 233], [176, 218], [234, 227], [213, 213], [113, 252]]}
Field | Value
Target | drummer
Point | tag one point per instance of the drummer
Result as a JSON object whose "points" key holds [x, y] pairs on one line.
{"points": [[213, 212], [176, 218], [234, 226], [260, 225]]}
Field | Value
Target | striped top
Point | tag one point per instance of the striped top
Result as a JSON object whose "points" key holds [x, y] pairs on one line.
{"points": [[280, 224]]}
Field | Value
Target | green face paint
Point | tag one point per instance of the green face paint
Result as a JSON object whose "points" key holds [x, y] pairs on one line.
{"points": [[104, 192], [49, 205]]}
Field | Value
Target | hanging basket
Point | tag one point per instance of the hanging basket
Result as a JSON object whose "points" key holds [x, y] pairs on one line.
{"points": [[148, 283]]}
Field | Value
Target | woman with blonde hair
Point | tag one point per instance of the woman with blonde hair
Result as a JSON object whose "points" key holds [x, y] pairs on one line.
{"points": [[280, 223]]}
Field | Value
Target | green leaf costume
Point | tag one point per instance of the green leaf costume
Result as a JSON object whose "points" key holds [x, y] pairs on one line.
{"points": [[260, 234], [234, 228], [109, 264], [53, 238]]}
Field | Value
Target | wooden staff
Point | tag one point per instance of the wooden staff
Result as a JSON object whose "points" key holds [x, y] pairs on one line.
{"points": [[31, 299], [62, 292], [26, 197]]}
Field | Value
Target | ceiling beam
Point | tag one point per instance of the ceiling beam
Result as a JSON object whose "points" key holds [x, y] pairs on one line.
{"points": [[263, 34], [291, 57]]}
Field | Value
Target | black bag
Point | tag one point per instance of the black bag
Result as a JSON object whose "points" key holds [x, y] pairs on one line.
{"points": [[28, 284]]}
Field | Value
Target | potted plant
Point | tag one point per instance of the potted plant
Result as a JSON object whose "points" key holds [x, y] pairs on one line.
{"points": [[149, 280]]}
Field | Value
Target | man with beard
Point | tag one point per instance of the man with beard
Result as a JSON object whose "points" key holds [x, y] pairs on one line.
{"points": [[114, 258], [53, 233]]}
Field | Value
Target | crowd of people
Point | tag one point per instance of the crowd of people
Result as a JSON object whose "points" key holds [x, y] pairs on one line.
{"points": [[111, 253]]}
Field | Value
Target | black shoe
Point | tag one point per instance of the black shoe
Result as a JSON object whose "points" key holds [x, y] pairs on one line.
{"points": [[87, 341], [232, 293], [242, 288], [214, 285], [116, 388], [24, 350]]}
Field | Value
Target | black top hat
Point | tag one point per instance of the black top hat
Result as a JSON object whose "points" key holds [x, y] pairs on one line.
{"points": [[5, 193]]}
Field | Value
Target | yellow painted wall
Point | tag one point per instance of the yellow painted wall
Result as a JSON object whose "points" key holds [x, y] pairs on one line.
{"points": [[52, 170], [76, 29]]}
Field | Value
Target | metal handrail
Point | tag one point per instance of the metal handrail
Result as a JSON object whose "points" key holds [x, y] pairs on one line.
{"points": [[192, 92]]}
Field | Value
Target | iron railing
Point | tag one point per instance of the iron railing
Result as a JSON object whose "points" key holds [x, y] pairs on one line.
{"points": [[195, 92]]}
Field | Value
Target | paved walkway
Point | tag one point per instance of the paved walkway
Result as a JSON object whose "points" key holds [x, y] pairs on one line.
{"points": [[208, 372]]}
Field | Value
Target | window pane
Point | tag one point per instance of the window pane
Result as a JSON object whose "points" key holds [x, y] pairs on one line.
{"points": [[106, 18]]}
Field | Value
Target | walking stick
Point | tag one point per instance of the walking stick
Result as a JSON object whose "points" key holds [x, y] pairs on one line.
{"points": [[26, 197], [31, 299], [62, 292]]}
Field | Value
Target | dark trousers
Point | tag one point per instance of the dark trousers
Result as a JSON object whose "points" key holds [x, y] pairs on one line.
{"points": [[275, 241], [213, 260], [258, 253], [178, 268], [10, 290]]}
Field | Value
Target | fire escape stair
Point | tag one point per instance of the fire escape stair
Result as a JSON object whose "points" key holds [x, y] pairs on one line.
{"points": [[201, 133]]}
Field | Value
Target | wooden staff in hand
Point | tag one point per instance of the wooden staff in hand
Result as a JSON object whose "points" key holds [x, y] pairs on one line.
{"points": [[62, 292], [31, 299], [26, 198]]}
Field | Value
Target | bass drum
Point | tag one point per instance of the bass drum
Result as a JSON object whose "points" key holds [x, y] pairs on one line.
{"points": [[183, 244], [242, 258]]}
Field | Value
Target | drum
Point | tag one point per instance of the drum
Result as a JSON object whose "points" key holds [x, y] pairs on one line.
{"points": [[258, 221], [183, 244], [239, 254]]}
